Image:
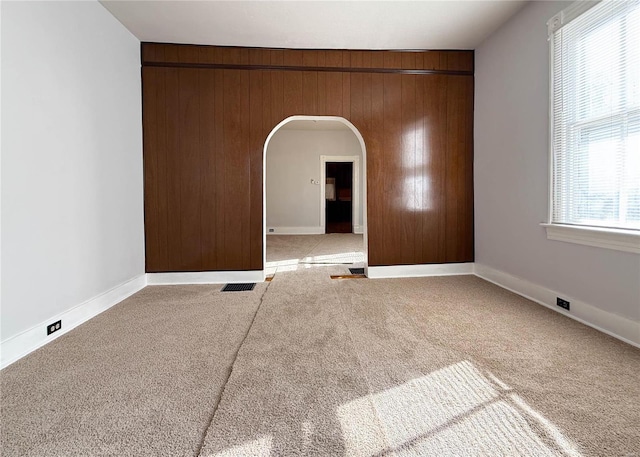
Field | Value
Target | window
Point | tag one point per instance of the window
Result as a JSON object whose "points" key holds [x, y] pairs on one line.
{"points": [[596, 116]]}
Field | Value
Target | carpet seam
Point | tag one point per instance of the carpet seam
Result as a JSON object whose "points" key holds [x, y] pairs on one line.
{"points": [[364, 373], [311, 250], [224, 386]]}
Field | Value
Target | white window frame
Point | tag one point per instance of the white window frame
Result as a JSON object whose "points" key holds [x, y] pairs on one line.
{"points": [[608, 238]]}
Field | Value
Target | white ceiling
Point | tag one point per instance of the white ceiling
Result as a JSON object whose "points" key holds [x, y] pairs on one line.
{"points": [[316, 24]]}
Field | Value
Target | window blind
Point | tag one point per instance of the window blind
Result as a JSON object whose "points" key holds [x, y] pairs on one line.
{"points": [[596, 117]]}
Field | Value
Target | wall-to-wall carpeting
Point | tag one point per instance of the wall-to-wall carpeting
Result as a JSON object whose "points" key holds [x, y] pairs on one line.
{"points": [[427, 366]]}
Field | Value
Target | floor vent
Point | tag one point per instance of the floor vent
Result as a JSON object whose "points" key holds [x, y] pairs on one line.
{"points": [[238, 287], [356, 271]]}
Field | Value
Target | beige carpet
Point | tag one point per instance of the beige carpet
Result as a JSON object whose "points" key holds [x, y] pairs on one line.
{"points": [[142, 378], [431, 366]]}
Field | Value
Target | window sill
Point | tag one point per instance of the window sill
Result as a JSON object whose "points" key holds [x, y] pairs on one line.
{"points": [[619, 240]]}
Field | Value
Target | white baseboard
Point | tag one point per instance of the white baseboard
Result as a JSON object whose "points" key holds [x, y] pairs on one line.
{"points": [[358, 229], [617, 326], [205, 277], [18, 346], [295, 230], [413, 271]]}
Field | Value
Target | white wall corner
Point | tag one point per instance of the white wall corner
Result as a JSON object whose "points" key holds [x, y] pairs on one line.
{"points": [[205, 277], [612, 324], [421, 270], [23, 343]]}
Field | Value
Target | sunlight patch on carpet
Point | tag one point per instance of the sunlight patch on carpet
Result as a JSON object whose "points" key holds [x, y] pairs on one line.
{"points": [[453, 411], [260, 447]]}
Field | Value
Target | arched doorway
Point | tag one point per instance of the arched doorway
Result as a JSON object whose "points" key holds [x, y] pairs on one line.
{"points": [[361, 177]]}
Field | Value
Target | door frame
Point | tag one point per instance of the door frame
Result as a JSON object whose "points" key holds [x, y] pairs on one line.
{"points": [[356, 223], [363, 147]]}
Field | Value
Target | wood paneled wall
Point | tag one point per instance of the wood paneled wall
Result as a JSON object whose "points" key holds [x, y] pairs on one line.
{"points": [[207, 112]]}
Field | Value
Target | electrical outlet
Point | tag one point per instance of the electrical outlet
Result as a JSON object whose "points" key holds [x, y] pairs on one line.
{"points": [[272, 230], [562, 303], [54, 327]]}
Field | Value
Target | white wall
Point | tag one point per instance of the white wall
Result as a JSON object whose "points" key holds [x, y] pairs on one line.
{"points": [[72, 202], [512, 182], [293, 159]]}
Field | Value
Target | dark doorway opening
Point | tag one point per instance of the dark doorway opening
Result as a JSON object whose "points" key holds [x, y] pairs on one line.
{"points": [[338, 195]]}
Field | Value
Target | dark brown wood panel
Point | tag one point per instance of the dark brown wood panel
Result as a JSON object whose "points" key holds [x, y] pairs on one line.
{"points": [[410, 188], [293, 93], [277, 97], [376, 172], [152, 98], [310, 92], [173, 234], [237, 166], [207, 123], [433, 168], [393, 176], [459, 170], [257, 138], [449, 60], [333, 90], [188, 171], [221, 180], [205, 129]]}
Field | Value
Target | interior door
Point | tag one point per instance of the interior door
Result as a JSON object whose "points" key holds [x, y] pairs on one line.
{"points": [[338, 196]]}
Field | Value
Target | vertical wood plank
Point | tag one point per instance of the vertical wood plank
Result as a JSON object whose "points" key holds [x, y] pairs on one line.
{"points": [[152, 109], [257, 140], [333, 94], [377, 59], [277, 56], [233, 170], [333, 58], [293, 93], [377, 216], [356, 111], [435, 124], [431, 60], [293, 57], [408, 60], [422, 183], [393, 197], [190, 167], [255, 56], [206, 121], [310, 58], [310, 92], [220, 165], [356, 59], [392, 59], [322, 93], [459, 173], [346, 95], [346, 59], [244, 176], [188, 54], [277, 97], [174, 170], [408, 176]]}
